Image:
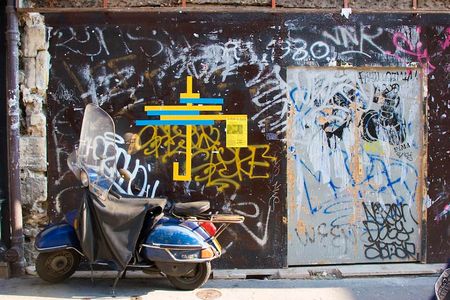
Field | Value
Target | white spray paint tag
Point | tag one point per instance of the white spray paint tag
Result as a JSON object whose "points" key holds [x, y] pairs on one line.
{"points": [[346, 12]]}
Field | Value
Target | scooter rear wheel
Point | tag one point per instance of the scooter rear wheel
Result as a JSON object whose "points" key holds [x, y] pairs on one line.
{"points": [[57, 266], [193, 280]]}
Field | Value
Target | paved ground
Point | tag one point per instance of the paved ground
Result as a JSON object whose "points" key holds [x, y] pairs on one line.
{"points": [[398, 288]]}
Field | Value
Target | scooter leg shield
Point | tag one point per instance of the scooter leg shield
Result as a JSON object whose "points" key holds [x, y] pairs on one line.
{"points": [[57, 237]]}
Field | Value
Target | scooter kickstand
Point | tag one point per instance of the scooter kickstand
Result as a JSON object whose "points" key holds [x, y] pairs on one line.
{"points": [[119, 273], [92, 274]]}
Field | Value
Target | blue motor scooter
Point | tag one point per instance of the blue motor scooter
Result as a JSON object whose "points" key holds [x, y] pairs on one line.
{"points": [[123, 232]]}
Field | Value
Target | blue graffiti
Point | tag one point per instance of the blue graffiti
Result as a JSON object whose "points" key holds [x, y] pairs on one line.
{"points": [[379, 179], [292, 98]]}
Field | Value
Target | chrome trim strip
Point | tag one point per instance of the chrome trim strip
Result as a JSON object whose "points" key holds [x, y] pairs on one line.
{"points": [[184, 260], [189, 260], [143, 267], [76, 250], [57, 248], [50, 248], [173, 247]]}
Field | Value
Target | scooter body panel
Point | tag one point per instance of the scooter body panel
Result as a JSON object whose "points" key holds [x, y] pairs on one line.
{"points": [[207, 238], [174, 240], [57, 237]]}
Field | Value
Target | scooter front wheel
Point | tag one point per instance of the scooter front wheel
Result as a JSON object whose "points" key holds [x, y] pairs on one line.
{"points": [[194, 279], [57, 266]]}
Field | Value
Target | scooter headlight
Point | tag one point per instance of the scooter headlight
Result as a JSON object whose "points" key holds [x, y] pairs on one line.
{"points": [[84, 178]]}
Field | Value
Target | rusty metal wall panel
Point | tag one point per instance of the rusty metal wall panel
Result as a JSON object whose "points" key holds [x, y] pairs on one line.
{"points": [[438, 159], [146, 62], [126, 60], [355, 147]]}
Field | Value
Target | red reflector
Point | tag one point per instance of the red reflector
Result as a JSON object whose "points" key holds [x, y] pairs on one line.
{"points": [[209, 227]]}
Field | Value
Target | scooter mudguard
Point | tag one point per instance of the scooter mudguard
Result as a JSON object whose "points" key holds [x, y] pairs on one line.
{"points": [[57, 237], [174, 240]]}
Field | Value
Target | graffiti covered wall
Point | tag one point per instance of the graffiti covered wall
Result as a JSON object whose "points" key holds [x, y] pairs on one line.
{"points": [[129, 63], [355, 146]]}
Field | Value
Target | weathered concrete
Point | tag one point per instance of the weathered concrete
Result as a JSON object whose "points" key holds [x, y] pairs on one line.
{"points": [[381, 4], [33, 40], [63, 3], [143, 3], [372, 4], [341, 271], [232, 2], [33, 153], [34, 35], [390, 269], [34, 196], [310, 4], [33, 142], [35, 119], [42, 69], [29, 66], [348, 289], [434, 4], [33, 186], [324, 272]]}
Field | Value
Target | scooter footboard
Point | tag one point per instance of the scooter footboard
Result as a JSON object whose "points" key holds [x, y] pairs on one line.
{"points": [[57, 237]]}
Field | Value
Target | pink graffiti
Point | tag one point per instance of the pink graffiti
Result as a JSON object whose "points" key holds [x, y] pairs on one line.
{"points": [[443, 214], [446, 43], [403, 44]]}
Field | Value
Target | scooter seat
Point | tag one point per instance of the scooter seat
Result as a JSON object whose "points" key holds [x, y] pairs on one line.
{"points": [[190, 208]]}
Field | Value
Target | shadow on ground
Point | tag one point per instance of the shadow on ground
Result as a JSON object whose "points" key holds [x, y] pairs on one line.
{"points": [[83, 288]]}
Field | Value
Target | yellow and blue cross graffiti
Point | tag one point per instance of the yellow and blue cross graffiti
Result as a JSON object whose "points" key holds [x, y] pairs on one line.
{"points": [[189, 115]]}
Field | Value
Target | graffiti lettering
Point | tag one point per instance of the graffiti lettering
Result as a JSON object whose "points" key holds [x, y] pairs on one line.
{"points": [[341, 237], [298, 51], [401, 151], [389, 76], [138, 184], [89, 41], [343, 141], [443, 214], [263, 222], [388, 232], [406, 46], [446, 43], [347, 37], [213, 164]]}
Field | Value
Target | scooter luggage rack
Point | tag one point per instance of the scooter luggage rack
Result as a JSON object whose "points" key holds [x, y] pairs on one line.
{"points": [[215, 218], [224, 219]]}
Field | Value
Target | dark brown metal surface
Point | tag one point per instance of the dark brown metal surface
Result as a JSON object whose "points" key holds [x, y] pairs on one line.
{"points": [[438, 160], [13, 131], [127, 60]]}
